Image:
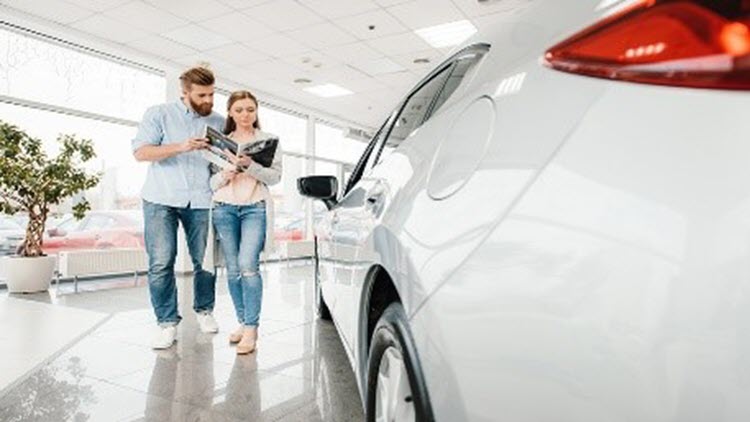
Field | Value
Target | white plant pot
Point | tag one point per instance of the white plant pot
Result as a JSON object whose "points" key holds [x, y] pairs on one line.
{"points": [[28, 275]]}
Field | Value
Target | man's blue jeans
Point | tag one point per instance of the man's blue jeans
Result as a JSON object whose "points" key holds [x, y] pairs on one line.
{"points": [[242, 233], [160, 234]]}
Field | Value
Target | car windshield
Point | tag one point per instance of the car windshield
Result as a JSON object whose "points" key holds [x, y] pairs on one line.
{"points": [[6, 224]]}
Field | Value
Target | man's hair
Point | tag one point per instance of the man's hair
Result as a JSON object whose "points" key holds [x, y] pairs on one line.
{"points": [[197, 75]]}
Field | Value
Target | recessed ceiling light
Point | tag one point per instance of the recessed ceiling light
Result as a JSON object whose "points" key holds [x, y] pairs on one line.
{"points": [[302, 81], [328, 90], [421, 60], [447, 34]]}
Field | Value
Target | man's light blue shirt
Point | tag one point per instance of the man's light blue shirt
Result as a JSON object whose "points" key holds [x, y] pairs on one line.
{"points": [[181, 180]]}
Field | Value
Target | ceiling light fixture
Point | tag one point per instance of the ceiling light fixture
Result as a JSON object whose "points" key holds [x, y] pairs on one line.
{"points": [[328, 90], [302, 81], [421, 60], [447, 34]]}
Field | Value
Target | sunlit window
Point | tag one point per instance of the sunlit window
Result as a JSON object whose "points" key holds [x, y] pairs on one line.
{"points": [[48, 73]]}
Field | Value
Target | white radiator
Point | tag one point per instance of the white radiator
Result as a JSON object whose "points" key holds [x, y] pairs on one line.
{"points": [[101, 261]]}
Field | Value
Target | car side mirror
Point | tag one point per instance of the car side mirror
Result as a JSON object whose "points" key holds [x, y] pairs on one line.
{"points": [[324, 188]]}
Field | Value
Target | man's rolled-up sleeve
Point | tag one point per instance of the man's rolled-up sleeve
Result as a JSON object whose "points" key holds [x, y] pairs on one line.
{"points": [[150, 131]]}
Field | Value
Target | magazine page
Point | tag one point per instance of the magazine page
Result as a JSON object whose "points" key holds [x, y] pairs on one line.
{"points": [[219, 146], [261, 151]]}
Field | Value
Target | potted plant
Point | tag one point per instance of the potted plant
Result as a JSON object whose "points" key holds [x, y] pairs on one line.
{"points": [[31, 181]]}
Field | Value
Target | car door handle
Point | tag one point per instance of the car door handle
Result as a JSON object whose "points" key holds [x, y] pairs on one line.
{"points": [[375, 194]]}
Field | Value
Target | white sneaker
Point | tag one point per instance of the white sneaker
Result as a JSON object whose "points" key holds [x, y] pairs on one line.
{"points": [[164, 338], [207, 323]]}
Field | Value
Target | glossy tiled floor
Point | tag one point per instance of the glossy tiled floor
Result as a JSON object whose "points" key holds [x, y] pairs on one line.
{"points": [[299, 372]]}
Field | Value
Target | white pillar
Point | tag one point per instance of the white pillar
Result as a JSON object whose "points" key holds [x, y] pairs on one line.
{"points": [[309, 169]]}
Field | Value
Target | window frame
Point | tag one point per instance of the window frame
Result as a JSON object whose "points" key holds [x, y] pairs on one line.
{"points": [[376, 144]]}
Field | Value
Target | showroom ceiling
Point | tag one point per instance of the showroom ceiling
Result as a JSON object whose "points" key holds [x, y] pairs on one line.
{"points": [[370, 48]]}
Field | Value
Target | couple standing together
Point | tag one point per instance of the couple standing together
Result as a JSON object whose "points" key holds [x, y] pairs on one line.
{"points": [[182, 187]]}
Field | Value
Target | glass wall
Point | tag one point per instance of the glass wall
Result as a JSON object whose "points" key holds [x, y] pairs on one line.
{"points": [[66, 90], [49, 88]]}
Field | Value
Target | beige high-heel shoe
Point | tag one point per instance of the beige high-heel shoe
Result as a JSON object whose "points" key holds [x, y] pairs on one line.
{"points": [[248, 343], [236, 335]]}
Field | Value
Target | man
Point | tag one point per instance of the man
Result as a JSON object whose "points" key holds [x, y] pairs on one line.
{"points": [[177, 190]]}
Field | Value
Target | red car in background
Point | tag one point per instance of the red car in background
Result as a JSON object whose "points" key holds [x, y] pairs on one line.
{"points": [[292, 231], [97, 230]]}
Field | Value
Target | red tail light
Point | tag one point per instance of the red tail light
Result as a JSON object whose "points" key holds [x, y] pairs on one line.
{"points": [[691, 43]]}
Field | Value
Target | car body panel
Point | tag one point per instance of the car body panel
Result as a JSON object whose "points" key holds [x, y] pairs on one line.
{"points": [[617, 288]]}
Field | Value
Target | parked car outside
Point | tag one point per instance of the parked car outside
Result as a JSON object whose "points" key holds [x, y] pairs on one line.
{"points": [[291, 231], [10, 231], [553, 224], [97, 230]]}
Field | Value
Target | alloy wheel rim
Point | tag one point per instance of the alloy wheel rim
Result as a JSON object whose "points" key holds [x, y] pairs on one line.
{"points": [[393, 397]]}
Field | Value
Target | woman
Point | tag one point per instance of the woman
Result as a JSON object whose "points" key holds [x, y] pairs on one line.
{"points": [[242, 208]]}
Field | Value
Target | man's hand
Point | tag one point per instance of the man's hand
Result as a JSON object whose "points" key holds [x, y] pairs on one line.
{"points": [[193, 144]]}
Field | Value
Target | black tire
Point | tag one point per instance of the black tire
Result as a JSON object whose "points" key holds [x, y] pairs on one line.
{"points": [[392, 331]]}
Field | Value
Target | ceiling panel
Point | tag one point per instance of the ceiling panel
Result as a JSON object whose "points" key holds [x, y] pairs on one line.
{"points": [[96, 5], [197, 37], [321, 35], [283, 15], [64, 13], [244, 4], [192, 10], [353, 52], [238, 54], [277, 45], [237, 27], [473, 8], [414, 15], [145, 16], [335, 9], [161, 47], [381, 22], [399, 44], [109, 29], [386, 3]]}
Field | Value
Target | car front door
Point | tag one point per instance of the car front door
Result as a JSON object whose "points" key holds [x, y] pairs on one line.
{"points": [[368, 196]]}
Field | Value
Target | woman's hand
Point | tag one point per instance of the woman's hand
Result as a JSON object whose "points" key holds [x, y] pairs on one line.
{"points": [[244, 161], [228, 175]]}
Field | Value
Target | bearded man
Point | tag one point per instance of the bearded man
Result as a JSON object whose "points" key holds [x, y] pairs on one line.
{"points": [[177, 190]]}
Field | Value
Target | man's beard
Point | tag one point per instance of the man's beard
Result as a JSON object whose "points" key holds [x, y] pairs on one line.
{"points": [[202, 109]]}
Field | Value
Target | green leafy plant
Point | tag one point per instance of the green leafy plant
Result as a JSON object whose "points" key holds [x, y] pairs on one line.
{"points": [[31, 181]]}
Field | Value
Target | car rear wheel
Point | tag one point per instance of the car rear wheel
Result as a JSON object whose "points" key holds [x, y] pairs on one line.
{"points": [[396, 390]]}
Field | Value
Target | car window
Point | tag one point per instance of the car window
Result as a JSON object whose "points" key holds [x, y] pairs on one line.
{"points": [[420, 105], [427, 99], [71, 225], [376, 140], [9, 225], [463, 67], [98, 222], [415, 110]]}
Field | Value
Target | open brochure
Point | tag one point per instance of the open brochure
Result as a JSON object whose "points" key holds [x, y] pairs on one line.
{"points": [[220, 146]]}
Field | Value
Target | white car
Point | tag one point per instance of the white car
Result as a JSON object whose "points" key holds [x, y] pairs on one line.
{"points": [[554, 225]]}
